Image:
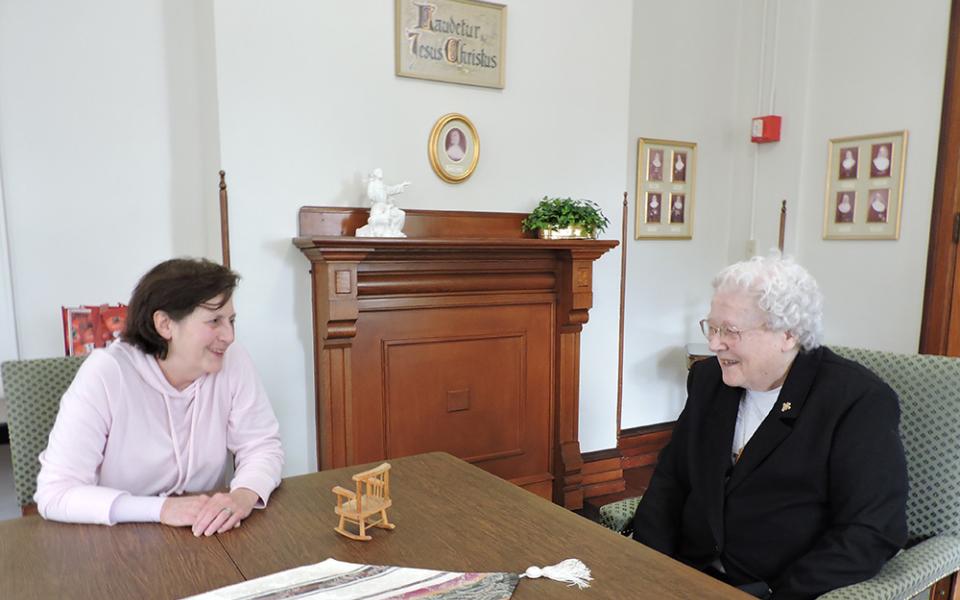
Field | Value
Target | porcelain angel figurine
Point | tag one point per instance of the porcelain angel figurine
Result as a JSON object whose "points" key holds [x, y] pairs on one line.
{"points": [[386, 220]]}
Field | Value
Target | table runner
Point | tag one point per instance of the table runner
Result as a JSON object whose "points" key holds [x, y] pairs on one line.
{"points": [[336, 580]]}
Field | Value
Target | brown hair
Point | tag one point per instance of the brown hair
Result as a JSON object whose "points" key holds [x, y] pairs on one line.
{"points": [[176, 287]]}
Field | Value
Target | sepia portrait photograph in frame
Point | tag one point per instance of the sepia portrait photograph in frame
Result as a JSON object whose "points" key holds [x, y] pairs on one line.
{"points": [[666, 175], [864, 195], [678, 166], [850, 163], [846, 204], [453, 148], [654, 205], [677, 213], [655, 164]]}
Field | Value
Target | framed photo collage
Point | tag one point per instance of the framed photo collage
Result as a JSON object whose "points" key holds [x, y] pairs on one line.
{"points": [[865, 187], [666, 172]]}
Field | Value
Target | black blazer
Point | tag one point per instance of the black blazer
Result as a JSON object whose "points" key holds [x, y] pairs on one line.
{"points": [[817, 499]]}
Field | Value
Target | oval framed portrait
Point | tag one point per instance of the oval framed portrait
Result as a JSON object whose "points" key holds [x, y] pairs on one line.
{"points": [[454, 148]]}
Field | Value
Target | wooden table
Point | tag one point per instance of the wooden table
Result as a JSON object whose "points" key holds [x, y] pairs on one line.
{"points": [[42, 559], [449, 515]]}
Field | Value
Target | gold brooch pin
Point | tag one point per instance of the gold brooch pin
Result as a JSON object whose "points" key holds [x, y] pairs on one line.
{"points": [[785, 407]]}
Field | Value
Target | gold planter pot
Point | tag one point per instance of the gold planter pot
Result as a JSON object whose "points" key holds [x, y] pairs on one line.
{"points": [[574, 232]]}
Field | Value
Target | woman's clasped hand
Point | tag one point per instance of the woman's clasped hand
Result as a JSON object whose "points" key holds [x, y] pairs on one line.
{"points": [[207, 515]]}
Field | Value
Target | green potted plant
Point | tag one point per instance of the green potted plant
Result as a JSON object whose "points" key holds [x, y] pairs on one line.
{"points": [[566, 218]]}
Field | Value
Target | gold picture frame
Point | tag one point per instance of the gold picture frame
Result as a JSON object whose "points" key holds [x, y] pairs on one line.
{"points": [[454, 41], [453, 148], [864, 197], [666, 189]]}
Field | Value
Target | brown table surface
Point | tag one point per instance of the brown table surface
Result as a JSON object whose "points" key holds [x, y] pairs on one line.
{"points": [[449, 514], [43, 559], [453, 516]]}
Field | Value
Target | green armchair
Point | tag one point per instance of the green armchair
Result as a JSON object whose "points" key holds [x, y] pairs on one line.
{"points": [[33, 389], [929, 391], [619, 515]]}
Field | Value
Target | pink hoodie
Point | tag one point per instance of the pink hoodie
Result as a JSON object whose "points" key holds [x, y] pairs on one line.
{"points": [[123, 429]]}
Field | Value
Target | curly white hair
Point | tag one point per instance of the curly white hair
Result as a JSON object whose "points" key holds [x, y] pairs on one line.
{"points": [[786, 293]]}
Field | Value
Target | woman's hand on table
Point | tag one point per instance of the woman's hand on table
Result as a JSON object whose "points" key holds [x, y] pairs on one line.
{"points": [[180, 511], [222, 512]]}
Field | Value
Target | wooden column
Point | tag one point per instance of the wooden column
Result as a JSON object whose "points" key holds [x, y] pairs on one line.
{"points": [[575, 300], [335, 310], [463, 337]]}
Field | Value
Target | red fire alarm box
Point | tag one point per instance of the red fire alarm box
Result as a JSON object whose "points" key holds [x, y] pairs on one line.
{"points": [[765, 129]]}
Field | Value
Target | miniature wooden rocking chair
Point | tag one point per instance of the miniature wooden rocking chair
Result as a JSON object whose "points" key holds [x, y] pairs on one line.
{"points": [[357, 507]]}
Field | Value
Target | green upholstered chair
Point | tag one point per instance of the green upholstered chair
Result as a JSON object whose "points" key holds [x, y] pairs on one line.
{"points": [[929, 391], [618, 515], [33, 389]]}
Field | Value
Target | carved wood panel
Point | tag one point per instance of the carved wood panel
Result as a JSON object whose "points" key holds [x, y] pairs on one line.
{"points": [[467, 344], [473, 381]]}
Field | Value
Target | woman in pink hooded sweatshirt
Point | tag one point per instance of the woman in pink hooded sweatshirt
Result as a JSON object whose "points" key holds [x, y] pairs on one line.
{"points": [[148, 424]]}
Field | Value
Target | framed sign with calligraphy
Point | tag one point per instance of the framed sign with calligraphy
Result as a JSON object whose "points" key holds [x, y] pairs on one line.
{"points": [[457, 41]]}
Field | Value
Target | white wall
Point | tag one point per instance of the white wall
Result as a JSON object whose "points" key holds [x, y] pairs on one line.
{"points": [[886, 61], [8, 325], [112, 127], [874, 289], [309, 103], [774, 80], [837, 69], [105, 163], [685, 79]]}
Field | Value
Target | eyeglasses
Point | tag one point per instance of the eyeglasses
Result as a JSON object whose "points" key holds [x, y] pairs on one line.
{"points": [[726, 334]]}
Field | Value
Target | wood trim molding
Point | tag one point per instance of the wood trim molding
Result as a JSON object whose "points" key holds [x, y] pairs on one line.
{"points": [[640, 446], [940, 299], [602, 470], [320, 221], [633, 432], [224, 222], [623, 303], [602, 473]]}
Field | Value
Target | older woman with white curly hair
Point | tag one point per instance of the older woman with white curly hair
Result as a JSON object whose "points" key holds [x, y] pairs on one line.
{"points": [[785, 475]]}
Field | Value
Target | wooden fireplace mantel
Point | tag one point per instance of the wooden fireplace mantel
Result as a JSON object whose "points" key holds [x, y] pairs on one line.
{"points": [[463, 336]]}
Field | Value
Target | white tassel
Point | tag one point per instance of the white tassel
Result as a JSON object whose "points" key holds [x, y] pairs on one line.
{"points": [[570, 571]]}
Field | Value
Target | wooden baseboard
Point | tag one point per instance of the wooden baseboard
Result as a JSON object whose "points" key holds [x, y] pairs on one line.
{"points": [[602, 473], [640, 446], [602, 470]]}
